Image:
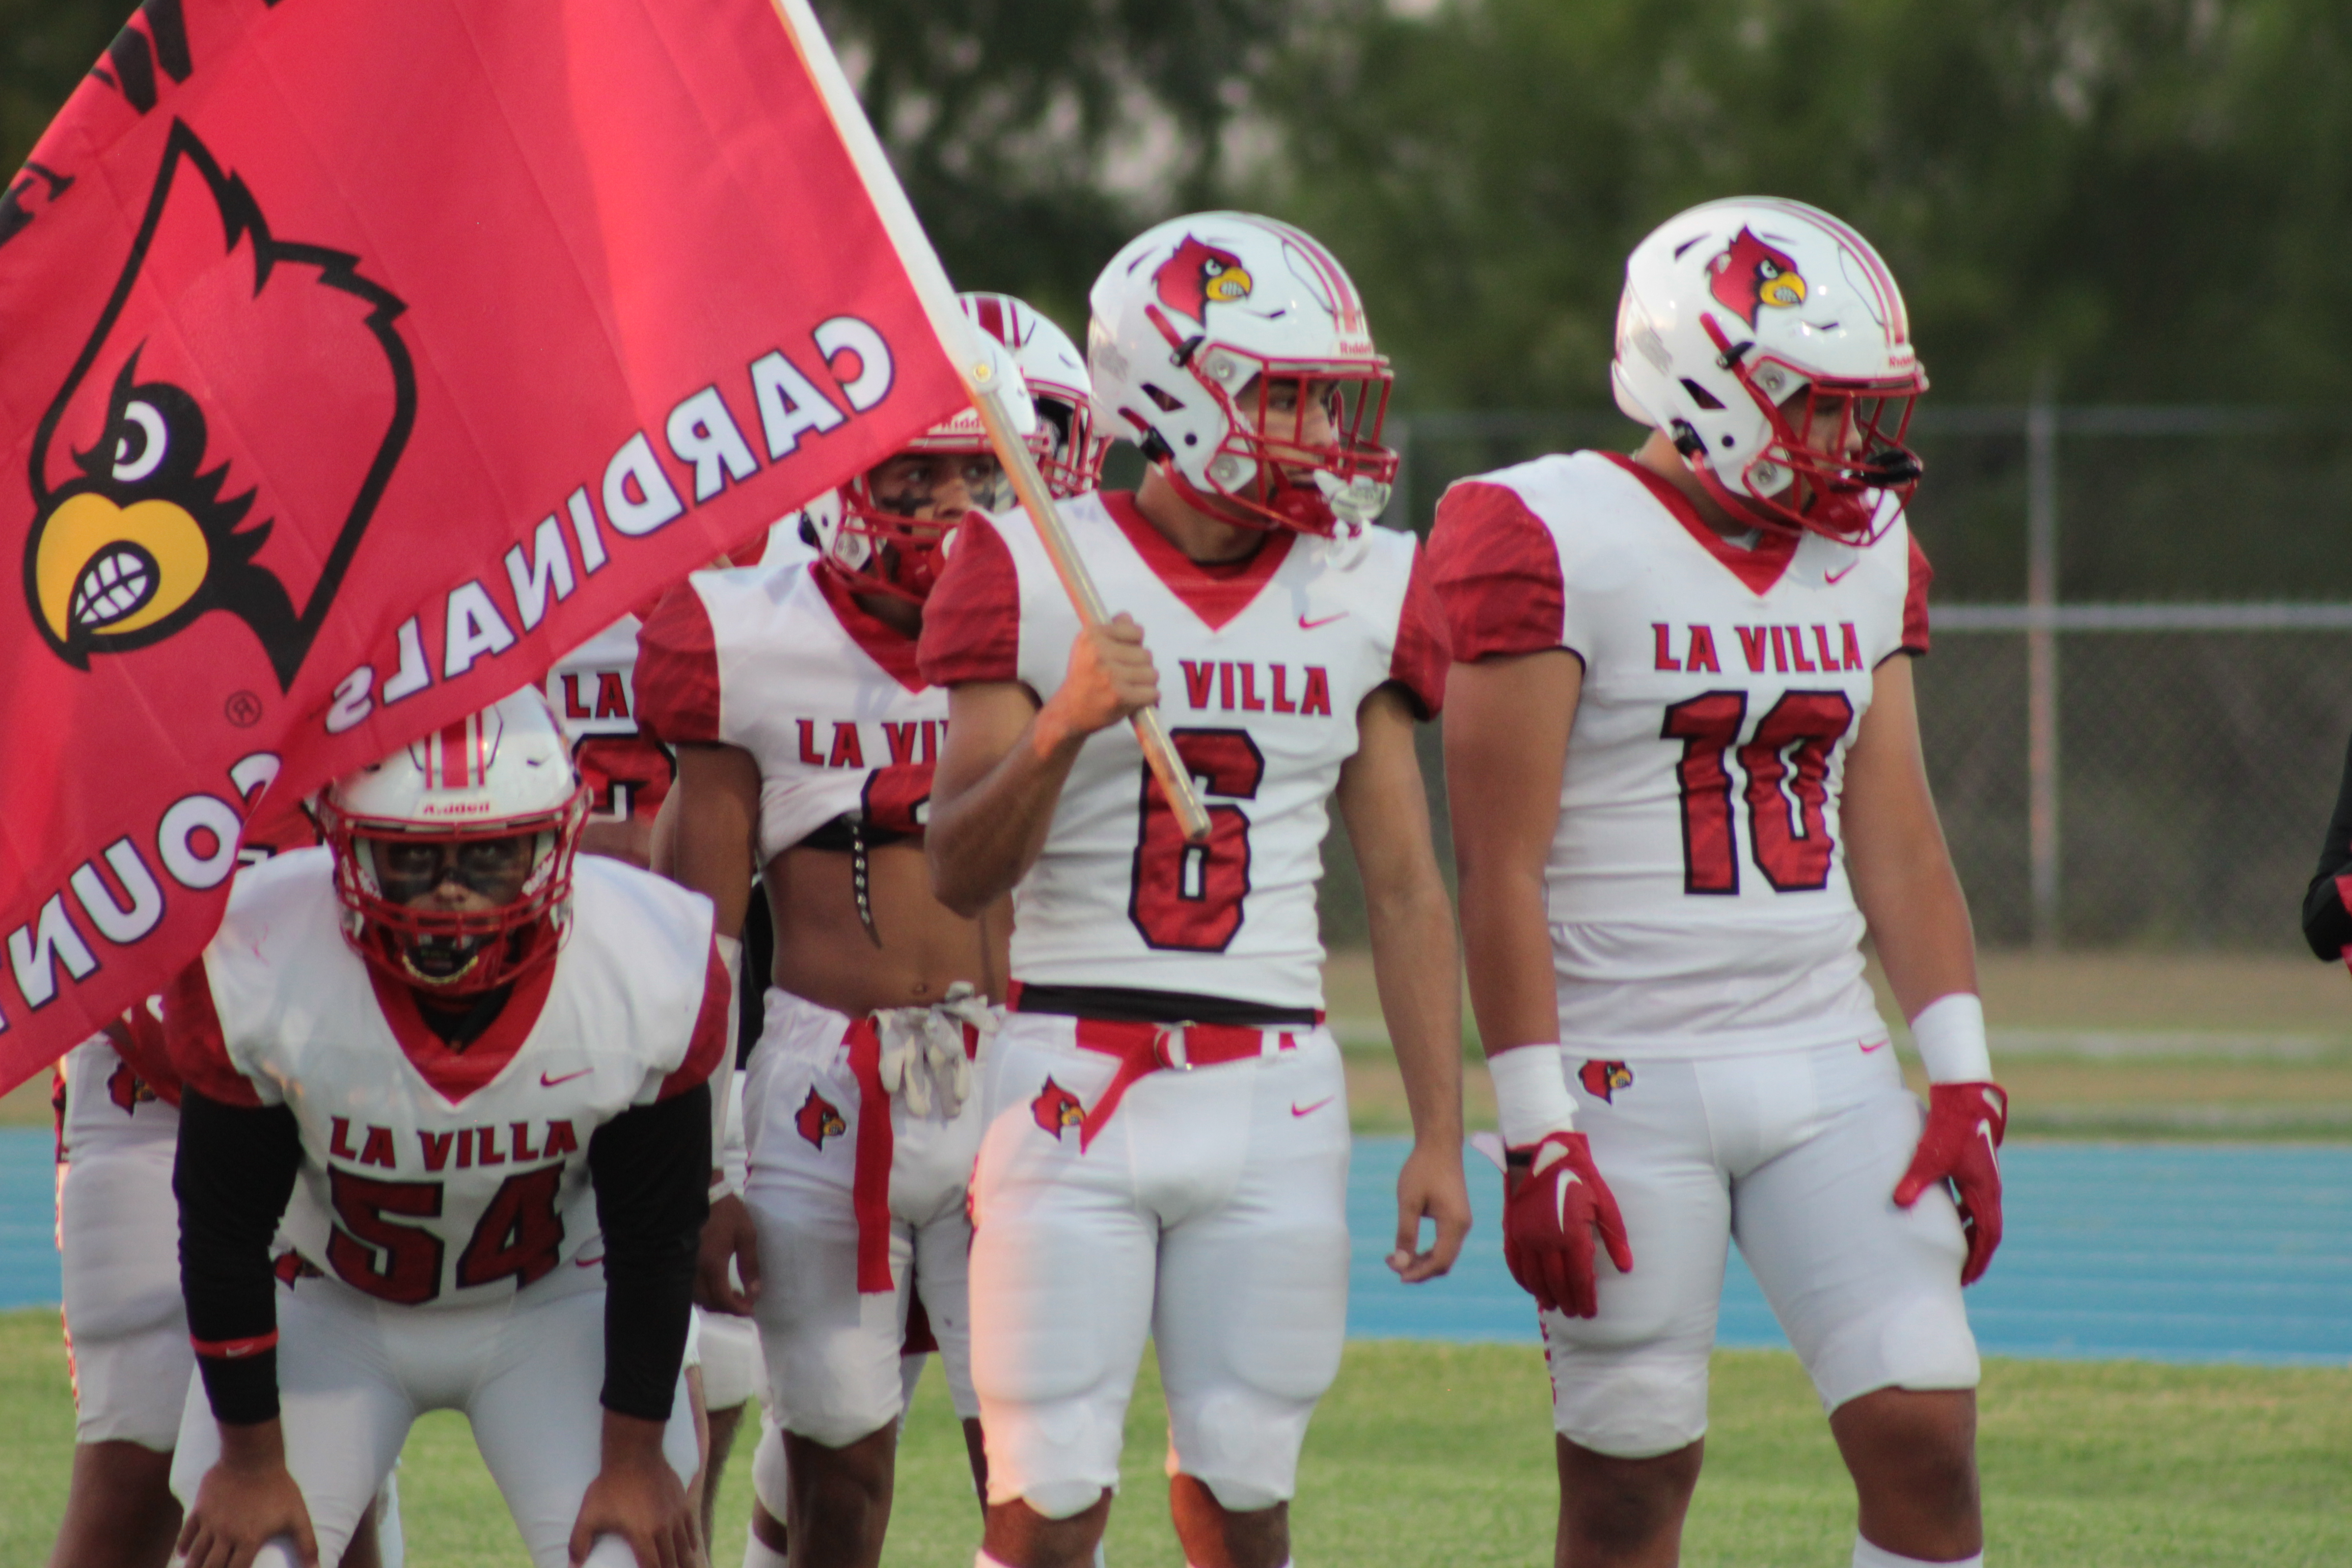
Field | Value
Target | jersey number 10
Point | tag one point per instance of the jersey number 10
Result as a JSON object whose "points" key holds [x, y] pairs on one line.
{"points": [[1787, 757]]}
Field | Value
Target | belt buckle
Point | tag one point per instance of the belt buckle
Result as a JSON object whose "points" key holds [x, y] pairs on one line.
{"points": [[1170, 1048]]}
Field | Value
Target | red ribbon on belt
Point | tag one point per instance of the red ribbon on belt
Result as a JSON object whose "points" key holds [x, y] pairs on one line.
{"points": [[1144, 1048], [869, 1181]]}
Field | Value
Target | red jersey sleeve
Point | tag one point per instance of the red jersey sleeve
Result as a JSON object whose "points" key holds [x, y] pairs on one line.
{"points": [[1497, 574], [192, 1036], [971, 622], [708, 1047], [1423, 652], [676, 675], [1915, 601]]}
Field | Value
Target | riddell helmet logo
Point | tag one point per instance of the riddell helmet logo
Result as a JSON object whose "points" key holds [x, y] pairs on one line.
{"points": [[1199, 276], [818, 1120], [158, 495], [1750, 275], [1603, 1080], [1057, 1107]]}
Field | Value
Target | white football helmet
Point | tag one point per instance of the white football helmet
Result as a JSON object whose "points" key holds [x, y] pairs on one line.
{"points": [[1203, 327], [503, 774], [879, 544], [1732, 308], [1069, 453]]}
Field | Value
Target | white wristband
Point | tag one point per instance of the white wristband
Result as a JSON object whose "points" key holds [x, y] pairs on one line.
{"points": [[1532, 1098], [1950, 1035]]}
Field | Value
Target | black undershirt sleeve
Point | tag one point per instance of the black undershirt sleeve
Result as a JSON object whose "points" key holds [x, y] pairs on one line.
{"points": [[650, 1166], [233, 1173], [2327, 924]]}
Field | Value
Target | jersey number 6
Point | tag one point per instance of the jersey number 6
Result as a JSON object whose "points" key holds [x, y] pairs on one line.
{"points": [[1189, 896], [1789, 836]]}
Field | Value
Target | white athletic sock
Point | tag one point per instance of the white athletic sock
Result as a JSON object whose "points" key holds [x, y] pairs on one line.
{"points": [[1866, 1555], [758, 1553]]}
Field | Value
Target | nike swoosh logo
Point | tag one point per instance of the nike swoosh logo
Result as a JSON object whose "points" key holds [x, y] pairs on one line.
{"points": [[596, 1262], [1833, 578], [547, 1082], [1870, 1046], [1297, 1110], [1306, 626]]}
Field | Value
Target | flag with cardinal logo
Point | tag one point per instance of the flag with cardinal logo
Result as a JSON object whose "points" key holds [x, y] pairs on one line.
{"points": [[356, 361]]}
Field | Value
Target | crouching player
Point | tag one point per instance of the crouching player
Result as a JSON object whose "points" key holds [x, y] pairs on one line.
{"points": [[1166, 1143], [806, 742], [477, 1069], [1687, 782]]}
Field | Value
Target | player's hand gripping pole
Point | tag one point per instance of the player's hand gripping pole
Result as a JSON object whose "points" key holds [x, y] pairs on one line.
{"points": [[1151, 729]]}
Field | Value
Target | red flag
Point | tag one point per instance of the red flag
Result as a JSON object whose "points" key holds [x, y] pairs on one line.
{"points": [[361, 359]]}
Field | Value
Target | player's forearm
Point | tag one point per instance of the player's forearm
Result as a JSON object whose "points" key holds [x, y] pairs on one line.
{"points": [[650, 1167], [1506, 954], [712, 817], [984, 837], [1918, 920], [1420, 982], [233, 1173]]}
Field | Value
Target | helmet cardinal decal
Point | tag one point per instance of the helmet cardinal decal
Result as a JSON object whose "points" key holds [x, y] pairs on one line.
{"points": [[168, 464], [1199, 276], [1057, 1107], [1751, 274], [1603, 1080], [818, 1120]]}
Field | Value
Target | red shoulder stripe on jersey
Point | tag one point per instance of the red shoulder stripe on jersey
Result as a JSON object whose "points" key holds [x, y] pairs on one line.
{"points": [[454, 1075], [235, 1349], [709, 1044], [1214, 593], [1423, 653], [1915, 599], [1496, 573], [137, 1037], [1759, 568], [971, 622], [192, 1037], [677, 671], [886, 646]]}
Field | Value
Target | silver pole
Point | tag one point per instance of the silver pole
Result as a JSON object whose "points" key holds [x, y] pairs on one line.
{"points": [[2042, 657]]}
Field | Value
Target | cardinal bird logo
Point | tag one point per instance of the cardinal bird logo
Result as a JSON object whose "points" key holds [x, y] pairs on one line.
{"points": [[225, 434], [1749, 275], [1057, 1107], [1603, 1080], [819, 1119], [1199, 276], [127, 1090]]}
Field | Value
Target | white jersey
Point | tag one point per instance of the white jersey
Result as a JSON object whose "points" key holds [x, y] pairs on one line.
{"points": [[1262, 668], [783, 662], [110, 1103], [432, 1177], [593, 690], [1697, 884]]}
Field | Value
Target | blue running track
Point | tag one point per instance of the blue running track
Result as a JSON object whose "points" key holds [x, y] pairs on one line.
{"points": [[2165, 1252]]}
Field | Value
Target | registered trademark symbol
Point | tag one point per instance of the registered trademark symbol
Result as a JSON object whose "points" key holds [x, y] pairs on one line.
{"points": [[243, 710]]}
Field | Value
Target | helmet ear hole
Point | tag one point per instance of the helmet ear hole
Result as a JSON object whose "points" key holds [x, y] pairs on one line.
{"points": [[1701, 397], [1168, 404]]}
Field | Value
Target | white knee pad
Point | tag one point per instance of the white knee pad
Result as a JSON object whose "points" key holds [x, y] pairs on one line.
{"points": [[277, 1552], [1237, 1496], [1063, 1500], [768, 1471], [391, 1539], [610, 1552]]}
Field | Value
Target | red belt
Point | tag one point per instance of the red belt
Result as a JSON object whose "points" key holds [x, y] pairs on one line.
{"points": [[1144, 1048], [869, 1181]]}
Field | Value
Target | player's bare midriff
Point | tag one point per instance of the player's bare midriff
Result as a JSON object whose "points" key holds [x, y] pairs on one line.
{"points": [[824, 952]]}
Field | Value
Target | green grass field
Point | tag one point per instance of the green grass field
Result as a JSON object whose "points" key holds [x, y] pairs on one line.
{"points": [[1439, 1454]]}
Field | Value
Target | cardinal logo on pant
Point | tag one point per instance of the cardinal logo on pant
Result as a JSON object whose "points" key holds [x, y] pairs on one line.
{"points": [[1603, 1080], [128, 1090], [162, 489], [1057, 1107], [819, 1119]]}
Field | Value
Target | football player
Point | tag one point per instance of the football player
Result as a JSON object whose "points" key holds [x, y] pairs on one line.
{"points": [[1683, 755], [1166, 1143], [118, 1103], [806, 744], [476, 1068]]}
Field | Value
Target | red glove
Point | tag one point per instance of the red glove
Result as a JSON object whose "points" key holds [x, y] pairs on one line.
{"points": [[1965, 1122], [1553, 1200]]}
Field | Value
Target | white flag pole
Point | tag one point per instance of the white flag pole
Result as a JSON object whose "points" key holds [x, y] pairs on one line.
{"points": [[947, 318]]}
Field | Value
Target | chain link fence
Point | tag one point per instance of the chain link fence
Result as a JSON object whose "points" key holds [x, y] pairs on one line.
{"points": [[2136, 710]]}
